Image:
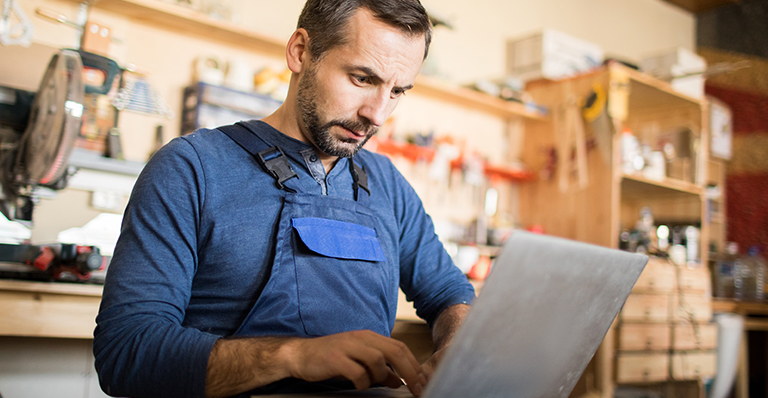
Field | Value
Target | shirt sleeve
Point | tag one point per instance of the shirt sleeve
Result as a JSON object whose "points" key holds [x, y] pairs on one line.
{"points": [[141, 348], [428, 276]]}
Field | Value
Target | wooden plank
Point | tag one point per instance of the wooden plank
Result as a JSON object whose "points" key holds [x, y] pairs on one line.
{"points": [[51, 287], [693, 365], [692, 336], [644, 337], [650, 187], [426, 85], [698, 6], [691, 307], [659, 276], [642, 368], [189, 21], [695, 280], [34, 314], [739, 307], [646, 308]]}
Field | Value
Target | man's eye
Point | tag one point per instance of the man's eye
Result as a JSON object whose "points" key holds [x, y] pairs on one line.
{"points": [[397, 92], [363, 79]]}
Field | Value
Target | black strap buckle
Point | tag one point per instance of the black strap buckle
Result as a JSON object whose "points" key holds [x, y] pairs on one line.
{"points": [[359, 177], [274, 161]]}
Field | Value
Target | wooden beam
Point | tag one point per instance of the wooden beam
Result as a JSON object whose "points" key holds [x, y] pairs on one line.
{"points": [[698, 6]]}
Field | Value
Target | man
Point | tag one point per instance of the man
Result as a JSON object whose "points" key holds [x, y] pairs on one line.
{"points": [[266, 256]]}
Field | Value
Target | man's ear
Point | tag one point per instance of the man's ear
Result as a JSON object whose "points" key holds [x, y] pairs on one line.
{"points": [[297, 50]]}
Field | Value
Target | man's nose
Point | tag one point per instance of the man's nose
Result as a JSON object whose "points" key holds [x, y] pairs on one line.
{"points": [[377, 107]]}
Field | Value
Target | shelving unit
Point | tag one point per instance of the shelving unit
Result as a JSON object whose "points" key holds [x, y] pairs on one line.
{"points": [[189, 21], [611, 200]]}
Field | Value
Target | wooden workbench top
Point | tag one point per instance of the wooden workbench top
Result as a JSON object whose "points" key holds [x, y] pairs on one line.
{"points": [[78, 289]]}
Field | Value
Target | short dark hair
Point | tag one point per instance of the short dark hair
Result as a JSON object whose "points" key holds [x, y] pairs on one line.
{"points": [[326, 20]]}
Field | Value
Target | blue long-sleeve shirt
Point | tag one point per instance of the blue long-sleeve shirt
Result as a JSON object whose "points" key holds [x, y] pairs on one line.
{"points": [[197, 243]]}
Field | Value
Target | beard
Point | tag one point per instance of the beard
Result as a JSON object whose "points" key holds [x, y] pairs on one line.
{"points": [[320, 133]]}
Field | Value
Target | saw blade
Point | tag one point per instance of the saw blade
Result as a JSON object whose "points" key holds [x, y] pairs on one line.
{"points": [[55, 121]]}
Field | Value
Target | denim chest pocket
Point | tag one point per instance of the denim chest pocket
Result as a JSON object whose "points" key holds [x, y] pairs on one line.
{"points": [[342, 277]]}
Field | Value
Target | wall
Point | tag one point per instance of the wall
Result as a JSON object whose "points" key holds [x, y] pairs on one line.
{"points": [[746, 92], [475, 49], [738, 27]]}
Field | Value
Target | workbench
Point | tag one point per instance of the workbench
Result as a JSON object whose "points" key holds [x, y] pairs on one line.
{"points": [[48, 309], [68, 310], [46, 329]]}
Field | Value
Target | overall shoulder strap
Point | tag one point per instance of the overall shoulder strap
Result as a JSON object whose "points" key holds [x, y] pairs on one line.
{"points": [[270, 158], [359, 180]]}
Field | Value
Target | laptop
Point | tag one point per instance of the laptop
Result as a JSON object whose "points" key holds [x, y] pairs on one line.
{"points": [[541, 315]]}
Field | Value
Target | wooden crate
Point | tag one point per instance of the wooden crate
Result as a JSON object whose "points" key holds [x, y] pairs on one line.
{"points": [[659, 276], [646, 308], [642, 367], [691, 307], [695, 280], [644, 337], [693, 365], [690, 336]]}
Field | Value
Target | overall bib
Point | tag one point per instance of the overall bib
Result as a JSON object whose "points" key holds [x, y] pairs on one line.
{"points": [[330, 273]]}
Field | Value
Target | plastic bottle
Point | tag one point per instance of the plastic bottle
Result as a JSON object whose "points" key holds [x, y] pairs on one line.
{"points": [[749, 276], [723, 271]]}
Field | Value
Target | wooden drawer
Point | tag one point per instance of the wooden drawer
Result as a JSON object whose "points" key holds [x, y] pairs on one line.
{"points": [[644, 337], [693, 365], [646, 308], [692, 307], [684, 336], [695, 280], [659, 276], [637, 368]]}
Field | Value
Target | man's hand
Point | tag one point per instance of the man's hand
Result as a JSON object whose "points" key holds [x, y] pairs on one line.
{"points": [[363, 357], [360, 356]]}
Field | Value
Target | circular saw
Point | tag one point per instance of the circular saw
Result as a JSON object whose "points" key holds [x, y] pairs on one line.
{"points": [[44, 148]]}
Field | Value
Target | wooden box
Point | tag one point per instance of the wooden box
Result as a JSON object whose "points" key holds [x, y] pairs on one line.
{"points": [[659, 276], [695, 280], [693, 365], [691, 307], [644, 337], [646, 308], [641, 367], [688, 336]]}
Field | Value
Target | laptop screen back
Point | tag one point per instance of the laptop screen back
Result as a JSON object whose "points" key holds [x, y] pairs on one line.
{"points": [[539, 319]]}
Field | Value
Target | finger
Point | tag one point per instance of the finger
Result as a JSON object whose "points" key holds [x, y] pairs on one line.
{"points": [[354, 372], [374, 361], [405, 364], [392, 380]]}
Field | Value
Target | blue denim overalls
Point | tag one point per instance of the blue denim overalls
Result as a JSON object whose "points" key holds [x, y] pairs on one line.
{"points": [[330, 273]]}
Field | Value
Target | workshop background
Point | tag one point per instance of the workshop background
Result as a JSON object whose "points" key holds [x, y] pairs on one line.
{"points": [[470, 49]]}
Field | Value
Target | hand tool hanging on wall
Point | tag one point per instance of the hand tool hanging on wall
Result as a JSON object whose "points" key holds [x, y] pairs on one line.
{"points": [[595, 113], [15, 34], [569, 129]]}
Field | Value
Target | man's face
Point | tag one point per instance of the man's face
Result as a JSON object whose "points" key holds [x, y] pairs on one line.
{"points": [[350, 92]]}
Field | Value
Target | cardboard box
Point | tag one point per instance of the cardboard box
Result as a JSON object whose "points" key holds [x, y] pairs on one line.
{"points": [[552, 55], [683, 68]]}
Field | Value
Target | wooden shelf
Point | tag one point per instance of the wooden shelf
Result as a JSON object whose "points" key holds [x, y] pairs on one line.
{"points": [[649, 92], [78, 289], [639, 185], [429, 86], [188, 21], [740, 307]]}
